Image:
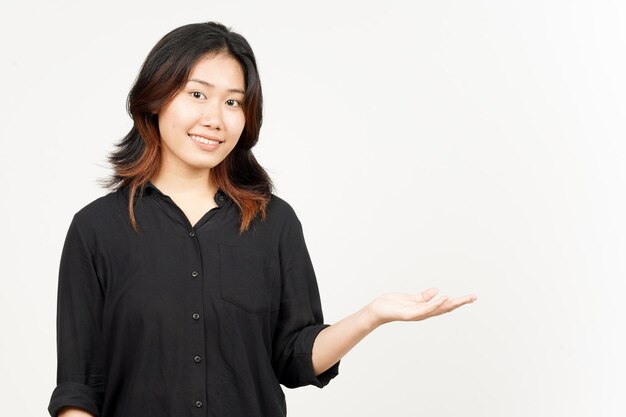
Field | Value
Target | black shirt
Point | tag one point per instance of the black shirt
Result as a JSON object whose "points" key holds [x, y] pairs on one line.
{"points": [[182, 320]]}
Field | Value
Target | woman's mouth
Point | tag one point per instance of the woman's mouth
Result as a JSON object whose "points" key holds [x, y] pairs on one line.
{"points": [[206, 141]]}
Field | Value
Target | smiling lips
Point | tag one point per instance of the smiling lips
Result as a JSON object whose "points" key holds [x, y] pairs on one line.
{"points": [[206, 141]]}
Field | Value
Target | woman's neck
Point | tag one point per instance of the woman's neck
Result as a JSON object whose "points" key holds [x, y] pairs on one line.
{"points": [[179, 183]]}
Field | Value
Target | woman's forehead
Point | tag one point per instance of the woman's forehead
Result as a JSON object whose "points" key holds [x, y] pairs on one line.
{"points": [[220, 68]]}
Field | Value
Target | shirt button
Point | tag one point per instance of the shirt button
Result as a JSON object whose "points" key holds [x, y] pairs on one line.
{"points": [[194, 274], [198, 404], [196, 316], [192, 233], [197, 359]]}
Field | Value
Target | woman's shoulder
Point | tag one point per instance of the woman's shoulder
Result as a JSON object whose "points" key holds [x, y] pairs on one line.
{"points": [[280, 208], [100, 211], [282, 215]]}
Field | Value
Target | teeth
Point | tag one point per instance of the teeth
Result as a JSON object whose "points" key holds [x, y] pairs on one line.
{"points": [[203, 140]]}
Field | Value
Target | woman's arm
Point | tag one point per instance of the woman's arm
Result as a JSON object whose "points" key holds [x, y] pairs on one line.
{"points": [[80, 301], [73, 412], [332, 343]]}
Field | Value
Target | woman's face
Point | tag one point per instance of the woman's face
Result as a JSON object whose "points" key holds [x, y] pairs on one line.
{"points": [[202, 123]]}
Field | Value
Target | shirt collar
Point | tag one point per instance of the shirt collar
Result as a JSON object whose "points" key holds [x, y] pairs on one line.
{"points": [[220, 196]]}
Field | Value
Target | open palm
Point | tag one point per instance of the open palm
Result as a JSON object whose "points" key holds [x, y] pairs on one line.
{"points": [[414, 307]]}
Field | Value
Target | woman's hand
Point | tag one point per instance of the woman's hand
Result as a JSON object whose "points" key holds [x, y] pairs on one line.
{"points": [[73, 412], [413, 307], [333, 342]]}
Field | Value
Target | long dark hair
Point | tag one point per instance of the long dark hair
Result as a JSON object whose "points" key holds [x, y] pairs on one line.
{"points": [[163, 74]]}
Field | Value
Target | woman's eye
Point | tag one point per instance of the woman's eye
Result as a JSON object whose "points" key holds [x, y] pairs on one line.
{"points": [[233, 103], [197, 94]]}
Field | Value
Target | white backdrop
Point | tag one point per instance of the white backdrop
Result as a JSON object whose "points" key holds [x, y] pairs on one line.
{"points": [[476, 146]]}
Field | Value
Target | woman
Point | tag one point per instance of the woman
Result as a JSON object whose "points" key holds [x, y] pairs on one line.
{"points": [[188, 290]]}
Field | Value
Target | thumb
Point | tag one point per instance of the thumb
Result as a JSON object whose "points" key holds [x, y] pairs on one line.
{"points": [[427, 295]]}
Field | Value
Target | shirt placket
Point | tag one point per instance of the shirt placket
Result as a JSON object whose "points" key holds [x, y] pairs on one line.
{"points": [[197, 304], [195, 317], [195, 323]]}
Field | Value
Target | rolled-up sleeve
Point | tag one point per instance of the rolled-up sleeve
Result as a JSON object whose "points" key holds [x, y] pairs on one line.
{"points": [[300, 315], [80, 300]]}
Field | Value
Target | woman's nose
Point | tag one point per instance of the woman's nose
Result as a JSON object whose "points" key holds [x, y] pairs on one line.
{"points": [[211, 116]]}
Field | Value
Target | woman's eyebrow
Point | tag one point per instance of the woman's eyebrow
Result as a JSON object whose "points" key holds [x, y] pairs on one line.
{"points": [[232, 90]]}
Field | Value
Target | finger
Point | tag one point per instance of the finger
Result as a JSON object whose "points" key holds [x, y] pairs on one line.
{"points": [[466, 299], [426, 295], [444, 309], [455, 303], [432, 308], [438, 303]]}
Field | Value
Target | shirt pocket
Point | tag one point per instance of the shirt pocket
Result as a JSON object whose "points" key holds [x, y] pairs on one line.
{"points": [[248, 279]]}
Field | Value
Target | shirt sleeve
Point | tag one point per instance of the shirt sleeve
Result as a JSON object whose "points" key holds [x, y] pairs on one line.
{"points": [[300, 315], [79, 327]]}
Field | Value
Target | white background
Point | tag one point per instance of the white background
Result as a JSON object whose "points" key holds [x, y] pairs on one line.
{"points": [[475, 146]]}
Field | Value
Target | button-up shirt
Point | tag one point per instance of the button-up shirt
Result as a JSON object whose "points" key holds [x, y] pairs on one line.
{"points": [[184, 320]]}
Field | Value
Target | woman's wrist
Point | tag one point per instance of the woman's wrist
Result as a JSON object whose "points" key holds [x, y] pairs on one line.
{"points": [[369, 318]]}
